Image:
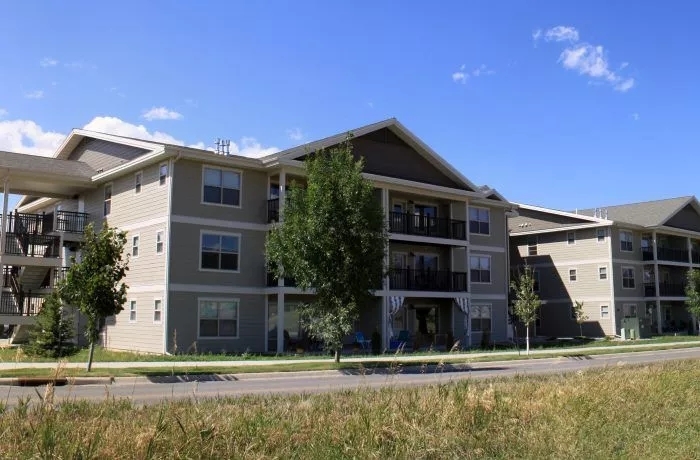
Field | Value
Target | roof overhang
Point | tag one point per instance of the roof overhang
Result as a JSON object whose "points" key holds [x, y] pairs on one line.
{"points": [[77, 135], [556, 212]]}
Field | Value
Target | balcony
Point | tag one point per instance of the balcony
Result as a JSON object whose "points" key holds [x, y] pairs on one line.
{"points": [[32, 245], [21, 304], [647, 254], [71, 222], [273, 210], [650, 289], [42, 224], [408, 279], [436, 227], [672, 254], [272, 281], [696, 257], [672, 289]]}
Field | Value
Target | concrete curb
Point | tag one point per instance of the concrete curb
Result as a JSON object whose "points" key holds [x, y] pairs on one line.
{"points": [[59, 382]]}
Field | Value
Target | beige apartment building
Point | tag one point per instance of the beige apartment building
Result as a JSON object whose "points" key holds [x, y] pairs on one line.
{"points": [[197, 220], [622, 261]]}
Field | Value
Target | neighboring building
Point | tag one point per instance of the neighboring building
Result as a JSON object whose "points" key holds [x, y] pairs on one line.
{"points": [[196, 223], [622, 261]]}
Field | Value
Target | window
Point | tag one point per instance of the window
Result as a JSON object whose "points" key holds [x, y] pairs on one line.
{"points": [[600, 233], [535, 281], [222, 186], [629, 310], [480, 269], [628, 277], [108, 200], [603, 273], [138, 178], [162, 173], [480, 318], [572, 274], [604, 311], [219, 252], [135, 246], [532, 246], [218, 318], [626, 239], [570, 237], [132, 311], [479, 221], [159, 241], [157, 310]]}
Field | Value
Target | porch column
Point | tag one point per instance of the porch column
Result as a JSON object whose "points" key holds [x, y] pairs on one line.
{"points": [[3, 232], [690, 252], [280, 280], [656, 284], [385, 315], [467, 264]]}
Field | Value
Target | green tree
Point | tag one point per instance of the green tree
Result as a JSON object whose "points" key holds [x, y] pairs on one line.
{"points": [[692, 292], [526, 301], [332, 239], [94, 284], [53, 331], [579, 315]]}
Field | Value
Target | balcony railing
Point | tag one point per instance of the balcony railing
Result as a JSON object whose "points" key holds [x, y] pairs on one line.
{"points": [[71, 222], [437, 227], [672, 254], [41, 224], [650, 289], [647, 254], [408, 279], [273, 210], [696, 257], [20, 305], [672, 289], [272, 281], [30, 245]]}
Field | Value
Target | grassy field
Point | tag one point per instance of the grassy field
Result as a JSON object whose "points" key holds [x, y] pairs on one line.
{"points": [[624, 412], [16, 354]]}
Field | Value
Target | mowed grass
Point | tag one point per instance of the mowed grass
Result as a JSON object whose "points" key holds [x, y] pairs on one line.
{"points": [[623, 412]]}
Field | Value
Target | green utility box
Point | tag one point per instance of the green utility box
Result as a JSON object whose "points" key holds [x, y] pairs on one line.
{"points": [[634, 328]]}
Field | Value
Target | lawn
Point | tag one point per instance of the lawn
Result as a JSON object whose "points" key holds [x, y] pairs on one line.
{"points": [[621, 412]]}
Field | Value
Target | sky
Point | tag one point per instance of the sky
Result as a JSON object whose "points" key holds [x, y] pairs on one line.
{"points": [[558, 104]]}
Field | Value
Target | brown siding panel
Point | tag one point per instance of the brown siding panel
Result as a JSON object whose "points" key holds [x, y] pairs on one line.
{"points": [[104, 155]]}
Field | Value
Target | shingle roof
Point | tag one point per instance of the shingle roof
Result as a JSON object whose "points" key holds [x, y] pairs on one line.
{"points": [[40, 166], [646, 214]]}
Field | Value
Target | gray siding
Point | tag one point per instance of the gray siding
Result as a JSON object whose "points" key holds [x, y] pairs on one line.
{"points": [[499, 274], [142, 335], [104, 155], [499, 324], [536, 220], [187, 195], [638, 290], [497, 228], [636, 254], [183, 324], [556, 320], [687, 219], [553, 248]]}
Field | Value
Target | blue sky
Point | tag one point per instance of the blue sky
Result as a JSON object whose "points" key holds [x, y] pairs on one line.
{"points": [[553, 103]]}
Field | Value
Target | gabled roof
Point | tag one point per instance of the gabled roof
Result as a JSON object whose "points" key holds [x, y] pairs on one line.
{"points": [[397, 128], [77, 135], [645, 214]]}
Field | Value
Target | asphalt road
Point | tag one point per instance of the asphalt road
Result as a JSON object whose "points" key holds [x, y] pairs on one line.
{"points": [[152, 391]]}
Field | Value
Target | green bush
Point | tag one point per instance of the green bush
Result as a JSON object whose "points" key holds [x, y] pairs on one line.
{"points": [[53, 332]]}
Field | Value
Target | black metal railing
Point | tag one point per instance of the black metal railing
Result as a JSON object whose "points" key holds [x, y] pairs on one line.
{"points": [[20, 222], [696, 257], [672, 254], [33, 245], [408, 279], [272, 281], [650, 289], [438, 227], [672, 289], [71, 222], [20, 305], [273, 210], [647, 254]]}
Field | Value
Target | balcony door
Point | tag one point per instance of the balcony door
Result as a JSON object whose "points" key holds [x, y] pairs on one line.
{"points": [[424, 217], [426, 262], [400, 260]]}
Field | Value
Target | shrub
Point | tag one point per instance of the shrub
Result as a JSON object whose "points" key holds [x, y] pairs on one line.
{"points": [[53, 332]]}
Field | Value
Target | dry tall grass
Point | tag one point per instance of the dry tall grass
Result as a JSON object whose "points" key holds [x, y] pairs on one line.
{"points": [[642, 412]]}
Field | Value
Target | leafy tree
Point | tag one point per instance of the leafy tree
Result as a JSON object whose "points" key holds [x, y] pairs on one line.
{"points": [[94, 284], [579, 315], [332, 239], [526, 302], [692, 292], [53, 331]]}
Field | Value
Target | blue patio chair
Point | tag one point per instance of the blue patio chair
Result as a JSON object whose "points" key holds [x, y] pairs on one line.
{"points": [[364, 343]]}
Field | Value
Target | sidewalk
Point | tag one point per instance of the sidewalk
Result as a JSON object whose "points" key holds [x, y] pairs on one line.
{"points": [[408, 358]]}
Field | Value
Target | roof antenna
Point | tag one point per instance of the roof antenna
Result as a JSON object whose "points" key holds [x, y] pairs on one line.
{"points": [[606, 213], [223, 146]]}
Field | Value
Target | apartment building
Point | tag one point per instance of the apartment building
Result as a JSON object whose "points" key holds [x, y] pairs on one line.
{"points": [[622, 261], [197, 220]]}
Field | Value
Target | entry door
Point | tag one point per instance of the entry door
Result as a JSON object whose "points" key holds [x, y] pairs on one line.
{"points": [[425, 262]]}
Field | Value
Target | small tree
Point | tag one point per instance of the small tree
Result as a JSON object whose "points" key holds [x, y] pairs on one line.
{"points": [[526, 302], [332, 239], [692, 292], [579, 315], [93, 284], [53, 331]]}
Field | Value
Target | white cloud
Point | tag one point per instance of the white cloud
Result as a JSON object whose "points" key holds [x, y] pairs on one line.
{"points": [[26, 136], [635, 116], [295, 134], [161, 113], [3, 112], [482, 70], [589, 60], [36, 94], [561, 33], [536, 35], [460, 76], [48, 62]]}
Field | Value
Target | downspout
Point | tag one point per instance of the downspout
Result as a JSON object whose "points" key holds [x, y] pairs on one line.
{"points": [[169, 239]]}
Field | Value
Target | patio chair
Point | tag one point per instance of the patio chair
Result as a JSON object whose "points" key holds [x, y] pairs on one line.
{"points": [[364, 343]]}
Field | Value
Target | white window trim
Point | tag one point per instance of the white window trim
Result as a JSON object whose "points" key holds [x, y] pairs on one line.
{"points": [[138, 246], [104, 198], [167, 173], [622, 274], [481, 304], [607, 275], [469, 219], [240, 190], [490, 270], [568, 272], [162, 231], [569, 243], [135, 311], [605, 235], [600, 310], [238, 317], [537, 246], [620, 238], [160, 321], [140, 183], [216, 232]]}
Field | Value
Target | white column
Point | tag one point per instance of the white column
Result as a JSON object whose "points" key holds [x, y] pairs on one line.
{"points": [[280, 281], [3, 232], [656, 284], [690, 251]]}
